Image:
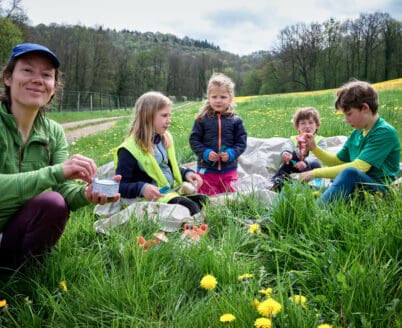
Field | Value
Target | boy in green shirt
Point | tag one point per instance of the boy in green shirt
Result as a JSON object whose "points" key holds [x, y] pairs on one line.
{"points": [[370, 156]]}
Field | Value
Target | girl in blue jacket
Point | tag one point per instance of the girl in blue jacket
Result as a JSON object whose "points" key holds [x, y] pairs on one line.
{"points": [[218, 138]]}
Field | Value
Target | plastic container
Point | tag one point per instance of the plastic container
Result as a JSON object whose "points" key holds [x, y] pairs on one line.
{"points": [[109, 187], [318, 183]]}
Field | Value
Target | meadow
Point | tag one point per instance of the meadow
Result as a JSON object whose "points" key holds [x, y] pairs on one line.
{"points": [[304, 267]]}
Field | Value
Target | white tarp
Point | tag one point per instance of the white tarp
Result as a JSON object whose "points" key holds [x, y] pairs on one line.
{"points": [[257, 164]]}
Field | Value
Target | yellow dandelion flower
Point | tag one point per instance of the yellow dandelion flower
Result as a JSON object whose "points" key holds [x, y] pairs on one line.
{"points": [[63, 286], [3, 303], [324, 325], [269, 307], [267, 291], [254, 228], [263, 323], [256, 303], [245, 277], [299, 299], [315, 193], [208, 282], [227, 317]]}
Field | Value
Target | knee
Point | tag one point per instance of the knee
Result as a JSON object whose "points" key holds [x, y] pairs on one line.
{"points": [[54, 203], [349, 173], [315, 165]]}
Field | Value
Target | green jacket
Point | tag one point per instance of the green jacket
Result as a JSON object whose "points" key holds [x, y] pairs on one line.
{"points": [[27, 170]]}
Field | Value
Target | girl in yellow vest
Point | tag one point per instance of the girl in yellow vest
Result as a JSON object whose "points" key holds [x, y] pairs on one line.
{"points": [[146, 160]]}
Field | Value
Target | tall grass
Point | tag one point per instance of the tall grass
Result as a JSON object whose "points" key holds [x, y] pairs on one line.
{"points": [[345, 260]]}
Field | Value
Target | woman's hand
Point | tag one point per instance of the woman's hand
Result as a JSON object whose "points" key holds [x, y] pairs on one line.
{"points": [[194, 179], [95, 198], [79, 167]]}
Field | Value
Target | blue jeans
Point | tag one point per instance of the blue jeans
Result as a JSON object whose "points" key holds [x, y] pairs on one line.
{"points": [[345, 182]]}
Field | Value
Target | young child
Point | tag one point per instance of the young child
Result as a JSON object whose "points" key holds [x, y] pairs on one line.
{"points": [[370, 156], [146, 160], [218, 138], [294, 155]]}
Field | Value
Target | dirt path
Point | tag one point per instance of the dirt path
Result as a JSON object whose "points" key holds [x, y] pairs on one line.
{"points": [[74, 132], [78, 129]]}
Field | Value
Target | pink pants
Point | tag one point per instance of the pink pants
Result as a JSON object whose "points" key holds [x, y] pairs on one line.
{"points": [[217, 183]]}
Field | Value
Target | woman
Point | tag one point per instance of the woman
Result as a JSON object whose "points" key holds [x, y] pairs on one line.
{"points": [[37, 185]]}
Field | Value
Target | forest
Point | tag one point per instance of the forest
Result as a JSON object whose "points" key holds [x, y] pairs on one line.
{"points": [[105, 68]]}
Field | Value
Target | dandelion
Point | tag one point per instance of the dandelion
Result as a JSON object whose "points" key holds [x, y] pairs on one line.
{"points": [[266, 292], [245, 277], [3, 303], [63, 286], [316, 193], [263, 323], [255, 303], [324, 325], [227, 317], [299, 299], [269, 307], [254, 228], [208, 282]]}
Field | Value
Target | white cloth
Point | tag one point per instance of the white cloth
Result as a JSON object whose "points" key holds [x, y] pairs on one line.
{"points": [[257, 164]]}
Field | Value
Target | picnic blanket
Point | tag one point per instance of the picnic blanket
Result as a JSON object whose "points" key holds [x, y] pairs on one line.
{"points": [[257, 164]]}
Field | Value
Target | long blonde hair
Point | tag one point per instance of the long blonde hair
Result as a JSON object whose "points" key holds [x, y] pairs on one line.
{"points": [[218, 80], [142, 128]]}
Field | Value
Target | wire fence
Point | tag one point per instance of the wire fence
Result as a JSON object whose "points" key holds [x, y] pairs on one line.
{"points": [[76, 101]]}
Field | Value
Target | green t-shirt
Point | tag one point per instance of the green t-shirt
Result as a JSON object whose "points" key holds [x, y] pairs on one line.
{"points": [[380, 148]]}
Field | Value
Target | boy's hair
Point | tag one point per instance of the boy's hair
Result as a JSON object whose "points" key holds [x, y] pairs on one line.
{"points": [[218, 80], [354, 94], [145, 110], [306, 113]]}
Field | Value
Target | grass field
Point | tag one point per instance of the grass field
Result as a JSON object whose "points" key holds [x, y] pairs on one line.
{"points": [[309, 267]]}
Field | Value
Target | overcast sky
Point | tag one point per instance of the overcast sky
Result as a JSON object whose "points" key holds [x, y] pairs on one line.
{"points": [[237, 26]]}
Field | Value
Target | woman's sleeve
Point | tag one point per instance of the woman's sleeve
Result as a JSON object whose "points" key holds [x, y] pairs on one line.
{"points": [[72, 191]]}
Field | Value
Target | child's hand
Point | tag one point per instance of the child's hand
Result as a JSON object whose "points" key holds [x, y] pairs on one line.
{"points": [[213, 156], [151, 192], [194, 179], [301, 166], [224, 157], [310, 142], [286, 157], [306, 176]]}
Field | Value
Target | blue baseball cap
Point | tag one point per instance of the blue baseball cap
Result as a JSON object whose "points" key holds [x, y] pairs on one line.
{"points": [[25, 48]]}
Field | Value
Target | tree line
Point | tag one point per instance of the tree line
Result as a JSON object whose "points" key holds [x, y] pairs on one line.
{"points": [[128, 63]]}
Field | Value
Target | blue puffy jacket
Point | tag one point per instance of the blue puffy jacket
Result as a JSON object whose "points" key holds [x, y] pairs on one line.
{"points": [[220, 133]]}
